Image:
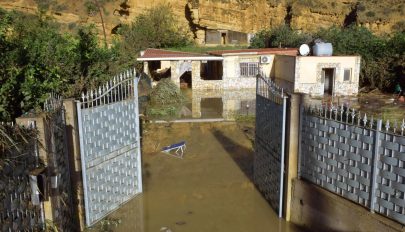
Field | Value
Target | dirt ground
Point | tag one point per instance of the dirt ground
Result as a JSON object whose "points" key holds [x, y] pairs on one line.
{"points": [[210, 189]]}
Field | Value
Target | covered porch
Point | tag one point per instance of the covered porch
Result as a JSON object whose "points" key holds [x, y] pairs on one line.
{"points": [[187, 70]]}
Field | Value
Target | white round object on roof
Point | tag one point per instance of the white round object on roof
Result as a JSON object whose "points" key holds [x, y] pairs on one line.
{"points": [[304, 50]]}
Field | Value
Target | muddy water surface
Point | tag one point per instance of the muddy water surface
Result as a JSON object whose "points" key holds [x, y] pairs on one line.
{"points": [[210, 189]]}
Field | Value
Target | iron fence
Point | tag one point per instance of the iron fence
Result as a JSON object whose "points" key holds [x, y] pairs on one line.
{"points": [[18, 210], [356, 157], [268, 165]]}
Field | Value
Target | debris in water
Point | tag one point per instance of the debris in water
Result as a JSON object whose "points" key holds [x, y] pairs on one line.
{"points": [[165, 229], [178, 149], [180, 223]]}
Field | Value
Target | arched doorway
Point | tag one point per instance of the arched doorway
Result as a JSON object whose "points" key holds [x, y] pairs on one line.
{"points": [[186, 80]]}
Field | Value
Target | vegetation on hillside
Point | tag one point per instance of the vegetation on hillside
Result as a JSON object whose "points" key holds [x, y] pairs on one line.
{"points": [[37, 58], [383, 58], [156, 28]]}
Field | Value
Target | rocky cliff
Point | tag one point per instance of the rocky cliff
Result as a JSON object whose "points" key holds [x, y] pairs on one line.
{"points": [[246, 16]]}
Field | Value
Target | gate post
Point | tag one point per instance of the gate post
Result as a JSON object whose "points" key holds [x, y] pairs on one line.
{"points": [[72, 135], [292, 138], [376, 158], [41, 127], [138, 132]]}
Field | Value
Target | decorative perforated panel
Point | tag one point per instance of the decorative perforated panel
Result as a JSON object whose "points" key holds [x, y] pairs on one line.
{"points": [[355, 157], [390, 192], [338, 157], [110, 146]]}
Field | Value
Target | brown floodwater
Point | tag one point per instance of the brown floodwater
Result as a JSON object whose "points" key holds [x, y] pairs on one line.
{"points": [[376, 104], [209, 190]]}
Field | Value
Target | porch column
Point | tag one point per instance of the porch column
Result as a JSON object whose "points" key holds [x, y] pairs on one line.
{"points": [[175, 72]]}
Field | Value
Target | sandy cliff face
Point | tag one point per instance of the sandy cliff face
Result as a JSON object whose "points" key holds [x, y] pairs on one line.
{"points": [[246, 16]]}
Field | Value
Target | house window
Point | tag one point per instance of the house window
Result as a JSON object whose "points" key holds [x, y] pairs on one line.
{"points": [[249, 69], [347, 74]]}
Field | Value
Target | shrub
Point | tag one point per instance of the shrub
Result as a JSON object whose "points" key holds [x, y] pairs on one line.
{"points": [[281, 36], [370, 14], [166, 100], [166, 92], [158, 27]]}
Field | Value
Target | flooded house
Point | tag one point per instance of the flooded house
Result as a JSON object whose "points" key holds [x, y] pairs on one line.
{"points": [[226, 79], [237, 69], [318, 74], [227, 69]]}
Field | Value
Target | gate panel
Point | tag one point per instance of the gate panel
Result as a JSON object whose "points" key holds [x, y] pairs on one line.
{"points": [[110, 146], [270, 142]]}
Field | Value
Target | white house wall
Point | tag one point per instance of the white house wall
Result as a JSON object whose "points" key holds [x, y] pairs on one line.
{"points": [[308, 74], [232, 77], [284, 71]]}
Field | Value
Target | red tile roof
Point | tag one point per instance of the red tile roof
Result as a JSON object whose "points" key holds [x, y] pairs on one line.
{"points": [[258, 51], [159, 53]]}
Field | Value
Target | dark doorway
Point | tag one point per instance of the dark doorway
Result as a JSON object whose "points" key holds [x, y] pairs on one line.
{"points": [[329, 79], [185, 80], [211, 70], [223, 36], [211, 108]]}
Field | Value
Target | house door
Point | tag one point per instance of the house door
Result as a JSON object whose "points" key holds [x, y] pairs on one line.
{"points": [[329, 79]]}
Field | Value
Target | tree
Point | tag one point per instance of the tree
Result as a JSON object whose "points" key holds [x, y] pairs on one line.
{"points": [[37, 59], [98, 5], [281, 36], [376, 57], [158, 27]]}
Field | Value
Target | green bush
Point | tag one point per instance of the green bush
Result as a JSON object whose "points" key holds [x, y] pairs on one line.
{"points": [[158, 27], [37, 59], [281, 36], [166, 92], [166, 100], [381, 56]]}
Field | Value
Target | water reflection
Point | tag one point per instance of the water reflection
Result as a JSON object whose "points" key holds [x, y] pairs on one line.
{"points": [[225, 104]]}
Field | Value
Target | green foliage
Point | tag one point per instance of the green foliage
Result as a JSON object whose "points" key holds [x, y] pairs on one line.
{"points": [[281, 36], [381, 57], [158, 27], [370, 14], [37, 60], [166, 100], [166, 92], [91, 7]]}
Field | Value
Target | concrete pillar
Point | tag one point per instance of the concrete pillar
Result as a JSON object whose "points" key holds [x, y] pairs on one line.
{"points": [[40, 121], [293, 131], [75, 164], [174, 72], [146, 68], [195, 74]]}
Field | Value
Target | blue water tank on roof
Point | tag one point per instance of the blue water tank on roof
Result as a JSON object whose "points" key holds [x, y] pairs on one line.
{"points": [[322, 49]]}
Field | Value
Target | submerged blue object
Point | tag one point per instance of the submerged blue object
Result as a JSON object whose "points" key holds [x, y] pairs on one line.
{"points": [[178, 147]]}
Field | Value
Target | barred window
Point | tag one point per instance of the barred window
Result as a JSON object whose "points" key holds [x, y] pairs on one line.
{"points": [[249, 69]]}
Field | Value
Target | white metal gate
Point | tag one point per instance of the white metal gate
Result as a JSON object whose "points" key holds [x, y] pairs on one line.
{"points": [[268, 166], [110, 145]]}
